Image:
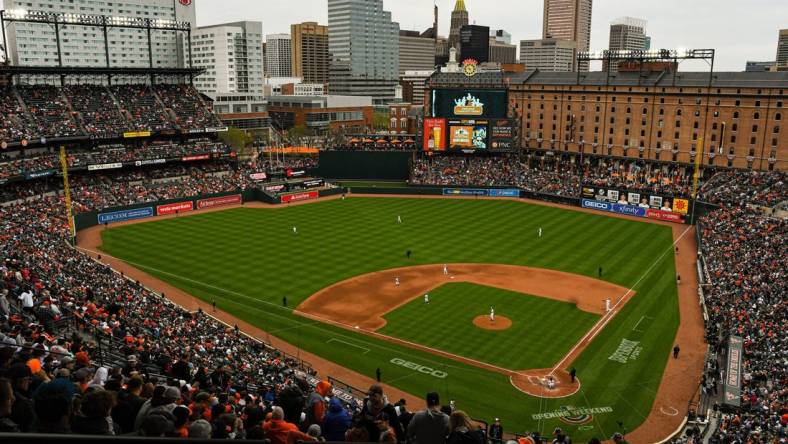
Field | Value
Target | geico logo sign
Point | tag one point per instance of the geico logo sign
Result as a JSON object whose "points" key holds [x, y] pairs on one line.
{"points": [[592, 204], [419, 368]]}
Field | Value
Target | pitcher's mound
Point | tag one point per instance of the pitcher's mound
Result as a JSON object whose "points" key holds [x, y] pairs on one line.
{"points": [[501, 323]]}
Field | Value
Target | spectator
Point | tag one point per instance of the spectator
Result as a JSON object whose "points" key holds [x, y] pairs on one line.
{"points": [[7, 424], [316, 404], [336, 421], [277, 429], [95, 417], [429, 425], [22, 410], [52, 404], [463, 430], [377, 410]]}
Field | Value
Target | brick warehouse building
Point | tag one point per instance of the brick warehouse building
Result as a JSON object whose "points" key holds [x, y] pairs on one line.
{"points": [[650, 115]]}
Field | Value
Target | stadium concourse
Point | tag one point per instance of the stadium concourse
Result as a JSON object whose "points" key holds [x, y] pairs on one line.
{"points": [[86, 350]]}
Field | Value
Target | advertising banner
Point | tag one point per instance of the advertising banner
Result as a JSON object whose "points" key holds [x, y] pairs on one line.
{"points": [[313, 183], [665, 215], [39, 174], [434, 135], [502, 134], [150, 162], [468, 134], [610, 207], [258, 176], [275, 188], [119, 216], [131, 134], [505, 193], [680, 206], [733, 366], [105, 166], [294, 173], [218, 201], [464, 192], [178, 207], [216, 130], [287, 198], [453, 103], [196, 157]]}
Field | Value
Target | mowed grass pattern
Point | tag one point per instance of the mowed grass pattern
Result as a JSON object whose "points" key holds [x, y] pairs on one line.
{"points": [[446, 323], [248, 259]]}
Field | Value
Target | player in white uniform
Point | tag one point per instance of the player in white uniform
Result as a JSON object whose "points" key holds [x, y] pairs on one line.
{"points": [[445, 269], [492, 314], [295, 230], [540, 231], [427, 298], [396, 281], [399, 219]]}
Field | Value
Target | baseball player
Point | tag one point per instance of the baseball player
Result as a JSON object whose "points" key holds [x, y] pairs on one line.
{"points": [[396, 281], [427, 298], [295, 230], [399, 219], [445, 269], [540, 231], [492, 314]]}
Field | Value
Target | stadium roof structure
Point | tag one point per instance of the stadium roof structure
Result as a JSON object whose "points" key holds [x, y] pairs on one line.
{"points": [[482, 79], [85, 70], [655, 79]]}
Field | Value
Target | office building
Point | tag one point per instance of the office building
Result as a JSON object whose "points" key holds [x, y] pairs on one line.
{"points": [[309, 52], [475, 43], [231, 54], [502, 53], [459, 18], [548, 54], [501, 36], [782, 48], [318, 114], [364, 47], [441, 51], [416, 53], [568, 20], [759, 66], [413, 85], [626, 34], [278, 55], [35, 44]]}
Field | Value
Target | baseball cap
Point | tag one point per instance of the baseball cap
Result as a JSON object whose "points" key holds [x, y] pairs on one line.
{"points": [[433, 399], [172, 393], [83, 373]]}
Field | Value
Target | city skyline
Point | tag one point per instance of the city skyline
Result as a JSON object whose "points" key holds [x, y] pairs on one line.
{"points": [[668, 20], [672, 23]]}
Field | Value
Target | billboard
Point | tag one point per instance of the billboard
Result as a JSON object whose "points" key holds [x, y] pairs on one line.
{"points": [[434, 135], [508, 192], [178, 207], [641, 199], [610, 207], [211, 202], [119, 216], [733, 367], [287, 198], [468, 134], [469, 103], [502, 134]]}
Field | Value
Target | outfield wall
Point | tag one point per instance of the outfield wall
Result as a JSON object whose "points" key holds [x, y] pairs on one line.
{"points": [[368, 165]]}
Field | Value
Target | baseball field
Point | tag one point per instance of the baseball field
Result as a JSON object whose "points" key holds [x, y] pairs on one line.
{"points": [[338, 272]]}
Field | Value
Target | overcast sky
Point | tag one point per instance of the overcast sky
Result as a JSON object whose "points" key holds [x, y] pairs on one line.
{"points": [[738, 30]]}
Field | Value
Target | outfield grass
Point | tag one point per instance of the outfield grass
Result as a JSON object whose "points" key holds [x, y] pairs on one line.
{"points": [[446, 323], [247, 259]]}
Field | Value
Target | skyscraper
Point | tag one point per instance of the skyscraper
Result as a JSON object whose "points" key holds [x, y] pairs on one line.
{"points": [[459, 18], [364, 47], [548, 54], [626, 34], [278, 54], [475, 43], [416, 53], [568, 20], [310, 52], [782, 48]]}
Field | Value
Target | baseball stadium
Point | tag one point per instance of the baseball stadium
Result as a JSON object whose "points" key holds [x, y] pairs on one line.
{"points": [[529, 257]]}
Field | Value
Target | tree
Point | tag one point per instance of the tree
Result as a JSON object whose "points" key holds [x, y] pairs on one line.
{"points": [[380, 121], [236, 138]]}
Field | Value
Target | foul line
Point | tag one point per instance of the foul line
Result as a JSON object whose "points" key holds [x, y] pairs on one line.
{"points": [[609, 315], [366, 350]]}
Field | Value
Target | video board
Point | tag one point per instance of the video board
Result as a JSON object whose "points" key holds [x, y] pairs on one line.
{"points": [[468, 134], [469, 103]]}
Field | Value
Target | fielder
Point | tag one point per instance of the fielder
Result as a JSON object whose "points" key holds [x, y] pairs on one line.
{"points": [[427, 298], [540, 231], [445, 269], [295, 230], [399, 219], [396, 281], [492, 315]]}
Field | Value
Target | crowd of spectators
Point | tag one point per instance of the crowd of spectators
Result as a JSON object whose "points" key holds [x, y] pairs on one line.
{"points": [[101, 117], [42, 160], [558, 177], [51, 117], [189, 109], [754, 187], [30, 112]]}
